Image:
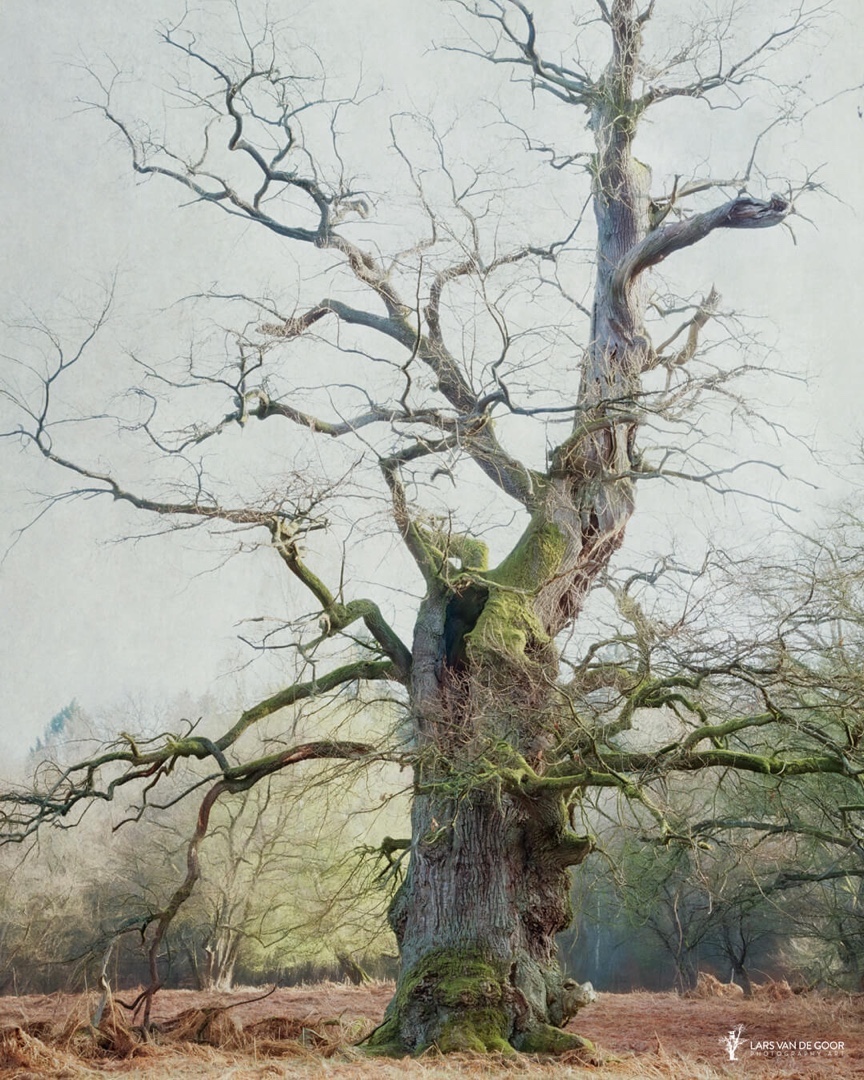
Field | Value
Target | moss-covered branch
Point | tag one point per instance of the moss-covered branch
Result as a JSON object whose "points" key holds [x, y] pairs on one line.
{"points": [[337, 616], [678, 761], [509, 625], [729, 727], [427, 558], [472, 553], [776, 828], [359, 671]]}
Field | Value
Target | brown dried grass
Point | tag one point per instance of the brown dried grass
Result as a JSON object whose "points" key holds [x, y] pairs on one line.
{"points": [[19, 1050], [774, 990], [211, 1026], [645, 1037], [707, 986]]}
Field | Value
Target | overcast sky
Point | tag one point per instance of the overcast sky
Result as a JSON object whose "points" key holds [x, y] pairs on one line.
{"points": [[106, 623]]}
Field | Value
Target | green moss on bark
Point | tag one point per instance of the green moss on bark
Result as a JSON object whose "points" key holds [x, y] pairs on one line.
{"points": [[453, 1000], [478, 1030], [545, 1039], [535, 558], [385, 1040], [505, 628], [508, 623], [457, 1001]]}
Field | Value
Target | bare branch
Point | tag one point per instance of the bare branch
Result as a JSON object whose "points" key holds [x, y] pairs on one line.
{"points": [[743, 212], [22, 813], [745, 68], [568, 84]]}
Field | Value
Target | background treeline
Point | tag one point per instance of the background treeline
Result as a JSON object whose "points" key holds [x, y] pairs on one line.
{"points": [[752, 905], [293, 890], [289, 887]]}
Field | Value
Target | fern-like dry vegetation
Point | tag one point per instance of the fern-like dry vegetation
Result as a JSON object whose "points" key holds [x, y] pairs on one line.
{"points": [[315, 1031]]}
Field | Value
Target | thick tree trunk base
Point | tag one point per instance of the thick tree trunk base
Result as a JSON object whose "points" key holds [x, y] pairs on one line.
{"points": [[458, 1002]]}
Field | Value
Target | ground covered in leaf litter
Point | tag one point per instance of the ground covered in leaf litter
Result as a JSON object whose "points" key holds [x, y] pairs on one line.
{"points": [[310, 1031]]}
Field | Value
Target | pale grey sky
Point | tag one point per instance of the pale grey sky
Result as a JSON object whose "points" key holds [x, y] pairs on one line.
{"points": [[87, 618]]}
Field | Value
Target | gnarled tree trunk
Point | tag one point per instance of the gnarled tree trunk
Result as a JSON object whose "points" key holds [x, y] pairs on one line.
{"points": [[476, 921], [487, 889], [488, 885]]}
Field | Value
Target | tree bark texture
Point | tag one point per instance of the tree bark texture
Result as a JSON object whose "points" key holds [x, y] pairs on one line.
{"points": [[487, 890]]}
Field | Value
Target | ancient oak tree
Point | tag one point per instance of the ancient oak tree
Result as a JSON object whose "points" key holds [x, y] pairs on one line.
{"points": [[440, 371]]}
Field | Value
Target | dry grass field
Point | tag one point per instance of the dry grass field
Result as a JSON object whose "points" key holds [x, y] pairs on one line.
{"points": [[310, 1032]]}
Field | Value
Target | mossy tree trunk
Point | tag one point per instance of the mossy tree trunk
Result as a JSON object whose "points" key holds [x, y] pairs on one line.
{"points": [[488, 886], [486, 893]]}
